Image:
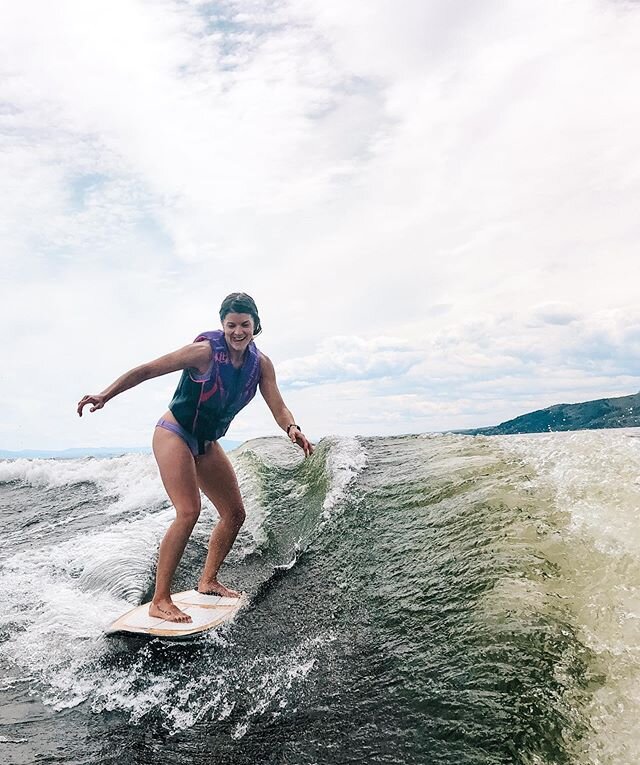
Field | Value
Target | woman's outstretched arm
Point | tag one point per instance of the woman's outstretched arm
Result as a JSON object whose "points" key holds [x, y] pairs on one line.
{"points": [[275, 402], [194, 355]]}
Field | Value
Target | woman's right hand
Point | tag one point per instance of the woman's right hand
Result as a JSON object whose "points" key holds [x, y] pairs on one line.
{"points": [[97, 403]]}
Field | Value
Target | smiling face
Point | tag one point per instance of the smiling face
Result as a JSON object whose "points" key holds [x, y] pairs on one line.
{"points": [[238, 331]]}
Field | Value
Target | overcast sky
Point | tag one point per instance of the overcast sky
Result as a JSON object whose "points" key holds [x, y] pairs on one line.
{"points": [[435, 205]]}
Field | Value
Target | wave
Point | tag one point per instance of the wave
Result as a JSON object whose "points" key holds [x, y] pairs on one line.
{"points": [[484, 591], [130, 481], [592, 482], [62, 595], [105, 472]]}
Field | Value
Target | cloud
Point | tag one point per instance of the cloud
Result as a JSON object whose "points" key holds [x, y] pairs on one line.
{"points": [[346, 358], [555, 313], [462, 179]]}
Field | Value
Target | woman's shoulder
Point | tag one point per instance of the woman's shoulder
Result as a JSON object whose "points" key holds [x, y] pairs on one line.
{"points": [[266, 365]]}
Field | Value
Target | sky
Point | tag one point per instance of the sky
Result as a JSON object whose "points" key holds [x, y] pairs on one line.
{"points": [[434, 204]]}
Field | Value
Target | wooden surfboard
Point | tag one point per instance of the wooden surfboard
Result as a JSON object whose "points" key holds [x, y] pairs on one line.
{"points": [[206, 611]]}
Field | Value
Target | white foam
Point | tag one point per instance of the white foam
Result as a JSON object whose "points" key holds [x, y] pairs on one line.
{"points": [[57, 600], [132, 479], [253, 535], [595, 476], [345, 460], [104, 573], [277, 676], [592, 480], [268, 682]]}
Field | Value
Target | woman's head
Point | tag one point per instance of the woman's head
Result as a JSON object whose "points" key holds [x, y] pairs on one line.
{"points": [[241, 303]]}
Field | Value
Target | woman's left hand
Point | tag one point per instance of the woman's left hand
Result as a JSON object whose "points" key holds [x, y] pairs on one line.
{"points": [[299, 438]]}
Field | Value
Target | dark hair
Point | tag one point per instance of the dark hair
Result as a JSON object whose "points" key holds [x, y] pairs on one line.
{"points": [[240, 302]]}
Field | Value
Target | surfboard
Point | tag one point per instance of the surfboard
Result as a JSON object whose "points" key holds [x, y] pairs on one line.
{"points": [[206, 611]]}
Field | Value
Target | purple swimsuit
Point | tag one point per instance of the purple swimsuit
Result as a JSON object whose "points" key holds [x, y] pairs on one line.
{"points": [[190, 441]]}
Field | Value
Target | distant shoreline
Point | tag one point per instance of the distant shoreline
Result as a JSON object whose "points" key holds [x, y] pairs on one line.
{"points": [[99, 451]]}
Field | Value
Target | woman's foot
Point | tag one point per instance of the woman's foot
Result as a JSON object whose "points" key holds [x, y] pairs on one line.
{"points": [[213, 587], [167, 610]]}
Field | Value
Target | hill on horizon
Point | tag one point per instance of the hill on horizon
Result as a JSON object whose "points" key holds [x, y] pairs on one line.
{"points": [[620, 412]]}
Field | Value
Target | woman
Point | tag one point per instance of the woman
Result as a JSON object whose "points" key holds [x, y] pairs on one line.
{"points": [[222, 370]]}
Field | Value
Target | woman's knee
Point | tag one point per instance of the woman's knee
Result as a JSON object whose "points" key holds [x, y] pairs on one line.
{"points": [[188, 514], [235, 516]]}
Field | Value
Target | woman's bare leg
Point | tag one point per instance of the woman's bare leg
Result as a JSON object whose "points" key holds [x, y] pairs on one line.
{"points": [[178, 473], [218, 481]]}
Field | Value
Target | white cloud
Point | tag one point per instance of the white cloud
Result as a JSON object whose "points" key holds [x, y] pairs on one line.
{"points": [[555, 313], [462, 177], [350, 358]]}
